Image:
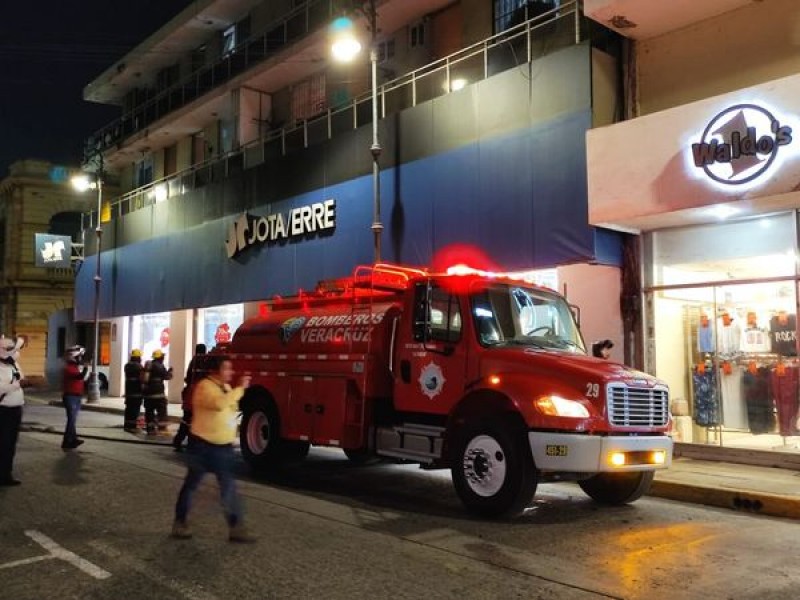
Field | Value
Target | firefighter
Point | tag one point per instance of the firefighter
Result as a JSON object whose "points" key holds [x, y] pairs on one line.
{"points": [[155, 399], [602, 349], [133, 390]]}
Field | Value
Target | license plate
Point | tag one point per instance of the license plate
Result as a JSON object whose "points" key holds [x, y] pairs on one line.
{"points": [[556, 450]]}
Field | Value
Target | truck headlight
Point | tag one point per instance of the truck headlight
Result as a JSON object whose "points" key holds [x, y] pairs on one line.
{"points": [[556, 406]]}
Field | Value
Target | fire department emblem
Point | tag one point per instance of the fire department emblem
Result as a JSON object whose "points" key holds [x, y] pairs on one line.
{"points": [[290, 327], [431, 380]]}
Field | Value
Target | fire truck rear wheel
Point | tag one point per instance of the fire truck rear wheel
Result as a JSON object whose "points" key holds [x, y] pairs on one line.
{"points": [[260, 436], [492, 469], [617, 488]]}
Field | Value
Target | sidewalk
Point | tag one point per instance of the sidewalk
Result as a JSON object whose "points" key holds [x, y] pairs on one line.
{"points": [[757, 489]]}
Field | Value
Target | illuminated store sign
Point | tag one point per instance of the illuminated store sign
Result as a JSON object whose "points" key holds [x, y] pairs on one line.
{"points": [[740, 144], [249, 230]]}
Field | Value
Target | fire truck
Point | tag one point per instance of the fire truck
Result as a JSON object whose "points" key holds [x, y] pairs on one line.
{"points": [[479, 373]]}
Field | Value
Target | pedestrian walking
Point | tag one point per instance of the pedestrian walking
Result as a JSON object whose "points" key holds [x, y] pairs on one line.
{"points": [[193, 374], [155, 398], [12, 399], [133, 391], [73, 395], [211, 438]]}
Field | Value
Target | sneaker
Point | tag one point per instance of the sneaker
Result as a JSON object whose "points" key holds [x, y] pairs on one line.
{"points": [[181, 531], [239, 535]]}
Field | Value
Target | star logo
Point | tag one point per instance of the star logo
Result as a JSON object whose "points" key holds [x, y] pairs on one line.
{"points": [[740, 144]]}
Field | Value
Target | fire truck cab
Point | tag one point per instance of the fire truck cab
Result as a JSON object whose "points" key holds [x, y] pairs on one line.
{"points": [[479, 373]]}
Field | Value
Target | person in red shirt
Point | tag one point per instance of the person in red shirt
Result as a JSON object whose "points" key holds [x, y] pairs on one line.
{"points": [[73, 395]]}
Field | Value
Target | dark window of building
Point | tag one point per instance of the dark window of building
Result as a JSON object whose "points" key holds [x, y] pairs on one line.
{"points": [[167, 76], [61, 341], [243, 30], [228, 40], [385, 50], [309, 98], [143, 172], [416, 35], [508, 13], [66, 223], [170, 159]]}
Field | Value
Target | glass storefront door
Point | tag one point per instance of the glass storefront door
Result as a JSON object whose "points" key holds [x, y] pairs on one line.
{"points": [[727, 348]]}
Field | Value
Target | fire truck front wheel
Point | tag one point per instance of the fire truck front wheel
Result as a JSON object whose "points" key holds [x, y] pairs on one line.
{"points": [[492, 469], [617, 488]]}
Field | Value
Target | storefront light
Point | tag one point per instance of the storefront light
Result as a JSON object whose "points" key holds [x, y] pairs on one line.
{"points": [[723, 211]]}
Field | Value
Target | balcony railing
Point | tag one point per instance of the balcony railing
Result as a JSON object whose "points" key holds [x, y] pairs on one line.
{"points": [[290, 28], [523, 43]]}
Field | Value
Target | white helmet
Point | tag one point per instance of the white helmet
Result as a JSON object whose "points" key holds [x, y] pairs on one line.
{"points": [[75, 352]]}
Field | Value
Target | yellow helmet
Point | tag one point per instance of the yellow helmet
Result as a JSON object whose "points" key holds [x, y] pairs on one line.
{"points": [[136, 353], [158, 354]]}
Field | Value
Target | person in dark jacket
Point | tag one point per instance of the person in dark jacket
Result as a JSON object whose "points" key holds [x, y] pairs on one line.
{"points": [[133, 390], [73, 395], [193, 374], [155, 398]]}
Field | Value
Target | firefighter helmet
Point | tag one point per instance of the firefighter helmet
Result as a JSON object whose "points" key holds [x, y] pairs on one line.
{"points": [[158, 354], [136, 353]]}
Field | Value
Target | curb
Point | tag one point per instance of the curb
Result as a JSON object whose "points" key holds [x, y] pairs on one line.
{"points": [[92, 436], [108, 410], [773, 505]]}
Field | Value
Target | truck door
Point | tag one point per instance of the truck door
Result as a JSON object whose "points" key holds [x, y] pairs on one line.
{"points": [[432, 354]]}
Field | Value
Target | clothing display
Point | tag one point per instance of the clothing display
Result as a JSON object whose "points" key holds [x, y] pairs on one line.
{"points": [[783, 334], [784, 384], [760, 408], [705, 336], [754, 339], [706, 404], [728, 335], [734, 410]]}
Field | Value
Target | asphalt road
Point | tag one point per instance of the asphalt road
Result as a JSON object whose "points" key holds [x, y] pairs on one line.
{"points": [[95, 523]]}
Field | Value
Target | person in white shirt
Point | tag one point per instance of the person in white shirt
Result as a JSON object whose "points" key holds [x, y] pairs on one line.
{"points": [[11, 402]]}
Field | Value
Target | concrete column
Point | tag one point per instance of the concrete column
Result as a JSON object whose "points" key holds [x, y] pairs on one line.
{"points": [[181, 348], [120, 328]]}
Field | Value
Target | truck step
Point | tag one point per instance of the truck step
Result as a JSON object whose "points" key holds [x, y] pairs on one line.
{"points": [[420, 457], [417, 429]]}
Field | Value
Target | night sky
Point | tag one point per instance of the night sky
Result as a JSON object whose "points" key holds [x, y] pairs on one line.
{"points": [[49, 51]]}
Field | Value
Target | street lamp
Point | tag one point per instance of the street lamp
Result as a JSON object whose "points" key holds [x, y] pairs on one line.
{"points": [[82, 183], [345, 47]]}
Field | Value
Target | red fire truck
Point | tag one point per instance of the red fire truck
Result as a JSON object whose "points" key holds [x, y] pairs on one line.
{"points": [[480, 373]]}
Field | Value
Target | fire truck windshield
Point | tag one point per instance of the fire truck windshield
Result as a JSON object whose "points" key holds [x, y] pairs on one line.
{"points": [[515, 314]]}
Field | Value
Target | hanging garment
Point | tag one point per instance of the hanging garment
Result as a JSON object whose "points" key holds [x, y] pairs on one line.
{"points": [[760, 408], [706, 405], [734, 409], [705, 336], [728, 335], [783, 333], [755, 340], [784, 391]]}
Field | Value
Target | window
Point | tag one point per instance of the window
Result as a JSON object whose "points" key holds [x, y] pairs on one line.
{"points": [[385, 50], [508, 13], [309, 98], [167, 76], [217, 324], [440, 313], [198, 58], [416, 35], [143, 173]]}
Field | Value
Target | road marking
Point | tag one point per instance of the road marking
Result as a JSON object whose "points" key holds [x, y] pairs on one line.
{"points": [[192, 591], [27, 561], [57, 551]]}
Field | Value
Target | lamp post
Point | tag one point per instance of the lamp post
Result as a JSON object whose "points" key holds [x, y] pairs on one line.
{"points": [[345, 47], [83, 183]]}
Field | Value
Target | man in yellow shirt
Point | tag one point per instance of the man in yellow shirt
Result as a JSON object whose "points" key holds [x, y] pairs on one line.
{"points": [[213, 431]]}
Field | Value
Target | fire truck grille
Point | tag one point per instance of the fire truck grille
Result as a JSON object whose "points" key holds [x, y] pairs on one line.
{"points": [[637, 407]]}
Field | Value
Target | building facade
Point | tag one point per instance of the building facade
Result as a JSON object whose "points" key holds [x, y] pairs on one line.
{"points": [[36, 198], [706, 170], [244, 156]]}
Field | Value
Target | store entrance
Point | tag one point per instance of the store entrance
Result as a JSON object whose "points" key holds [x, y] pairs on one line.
{"points": [[729, 353]]}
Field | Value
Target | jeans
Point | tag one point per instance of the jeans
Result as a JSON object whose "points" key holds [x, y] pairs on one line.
{"points": [[72, 404], [210, 458]]}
